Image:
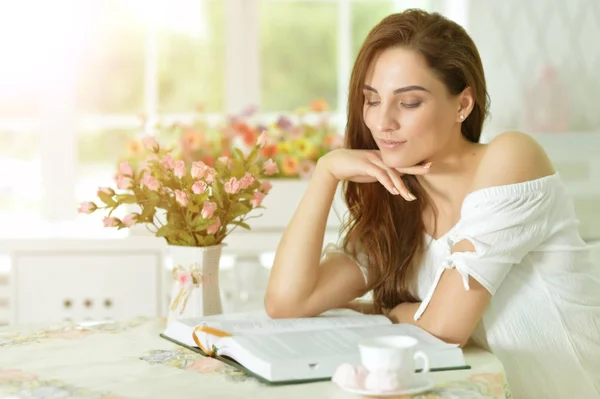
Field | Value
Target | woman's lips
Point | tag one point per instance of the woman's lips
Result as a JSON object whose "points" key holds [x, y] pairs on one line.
{"points": [[390, 143]]}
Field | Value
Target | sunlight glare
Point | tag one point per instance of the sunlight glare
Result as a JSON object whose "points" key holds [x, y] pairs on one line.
{"points": [[39, 43]]}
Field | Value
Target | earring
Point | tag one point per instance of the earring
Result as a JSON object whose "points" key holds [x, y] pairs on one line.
{"points": [[462, 117]]}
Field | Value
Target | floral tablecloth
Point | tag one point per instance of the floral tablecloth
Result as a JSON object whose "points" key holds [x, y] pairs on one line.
{"points": [[129, 360]]}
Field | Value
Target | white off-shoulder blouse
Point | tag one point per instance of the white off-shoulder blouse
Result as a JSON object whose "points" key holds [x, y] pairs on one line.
{"points": [[543, 321]]}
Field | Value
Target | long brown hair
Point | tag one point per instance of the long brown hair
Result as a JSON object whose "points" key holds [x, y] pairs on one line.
{"points": [[385, 228]]}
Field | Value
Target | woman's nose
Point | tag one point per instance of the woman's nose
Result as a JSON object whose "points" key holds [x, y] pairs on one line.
{"points": [[388, 119]]}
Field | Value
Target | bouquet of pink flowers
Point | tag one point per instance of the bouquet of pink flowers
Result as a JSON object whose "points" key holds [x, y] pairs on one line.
{"points": [[189, 204]]}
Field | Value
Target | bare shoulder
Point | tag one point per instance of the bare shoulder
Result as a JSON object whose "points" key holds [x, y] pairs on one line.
{"points": [[512, 157]]}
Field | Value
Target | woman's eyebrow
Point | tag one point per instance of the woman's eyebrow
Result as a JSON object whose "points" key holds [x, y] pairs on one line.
{"points": [[400, 90]]}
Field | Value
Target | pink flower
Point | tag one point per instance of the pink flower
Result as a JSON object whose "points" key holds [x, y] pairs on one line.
{"points": [[199, 169], [199, 187], [125, 169], [152, 157], [297, 132], [226, 161], [181, 198], [306, 169], [180, 169], [246, 181], [337, 142], [232, 186], [214, 227], [206, 365], [106, 190], [71, 335], [87, 207], [210, 175], [131, 219], [150, 182], [265, 186], [262, 140], [144, 167], [123, 182], [208, 209], [150, 143], [14, 375], [270, 167], [258, 199], [168, 162], [111, 222], [184, 278]]}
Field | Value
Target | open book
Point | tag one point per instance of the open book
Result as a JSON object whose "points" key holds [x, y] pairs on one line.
{"points": [[279, 351]]}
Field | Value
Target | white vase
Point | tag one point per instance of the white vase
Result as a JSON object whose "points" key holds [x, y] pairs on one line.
{"points": [[200, 296]]}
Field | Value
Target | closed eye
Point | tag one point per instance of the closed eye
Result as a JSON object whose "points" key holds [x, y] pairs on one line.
{"points": [[412, 105], [372, 103]]}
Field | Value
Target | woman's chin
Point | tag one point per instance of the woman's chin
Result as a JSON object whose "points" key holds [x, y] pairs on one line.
{"points": [[397, 163]]}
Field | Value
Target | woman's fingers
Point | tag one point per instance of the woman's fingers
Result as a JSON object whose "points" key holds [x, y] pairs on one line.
{"points": [[399, 184], [383, 177], [397, 181]]}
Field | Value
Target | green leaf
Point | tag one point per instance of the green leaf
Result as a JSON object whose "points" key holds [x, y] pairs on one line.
{"points": [[238, 154], [187, 238], [246, 196], [174, 219], [199, 223], [164, 231], [107, 199], [238, 209], [255, 170], [252, 156], [238, 170], [199, 199], [241, 224], [201, 241], [222, 170], [126, 199], [188, 218], [148, 212], [218, 191], [209, 240]]}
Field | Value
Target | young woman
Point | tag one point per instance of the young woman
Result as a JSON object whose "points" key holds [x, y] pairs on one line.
{"points": [[464, 240]]}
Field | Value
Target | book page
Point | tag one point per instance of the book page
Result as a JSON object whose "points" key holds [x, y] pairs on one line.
{"points": [[273, 326], [309, 354], [299, 345], [341, 342]]}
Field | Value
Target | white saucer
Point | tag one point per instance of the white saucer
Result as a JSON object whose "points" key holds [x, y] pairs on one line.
{"points": [[419, 385]]}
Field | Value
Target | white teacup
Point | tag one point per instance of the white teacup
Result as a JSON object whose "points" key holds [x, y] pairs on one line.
{"points": [[393, 353]]}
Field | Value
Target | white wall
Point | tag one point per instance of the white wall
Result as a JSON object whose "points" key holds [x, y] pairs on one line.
{"points": [[516, 39]]}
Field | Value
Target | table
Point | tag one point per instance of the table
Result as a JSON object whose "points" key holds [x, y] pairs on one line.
{"points": [[129, 360]]}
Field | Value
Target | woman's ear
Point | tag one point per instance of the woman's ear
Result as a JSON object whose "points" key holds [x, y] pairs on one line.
{"points": [[466, 102]]}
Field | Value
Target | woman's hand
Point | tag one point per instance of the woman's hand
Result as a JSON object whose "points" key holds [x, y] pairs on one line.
{"points": [[366, 166]]}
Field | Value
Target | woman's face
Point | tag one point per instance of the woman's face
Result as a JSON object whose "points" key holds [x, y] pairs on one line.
{"points": [[408, 110]]}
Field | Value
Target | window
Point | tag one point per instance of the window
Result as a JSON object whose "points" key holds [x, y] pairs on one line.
{"points": [[111, 65], [298, 50], [365, 15], [191, 60], [20, 194], [118, 59]]}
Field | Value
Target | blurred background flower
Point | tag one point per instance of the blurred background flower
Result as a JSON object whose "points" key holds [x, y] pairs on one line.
{"points": [[295, 140]]}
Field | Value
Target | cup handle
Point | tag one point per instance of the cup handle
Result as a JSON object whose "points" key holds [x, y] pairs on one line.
{"points": [[420, 354]]}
